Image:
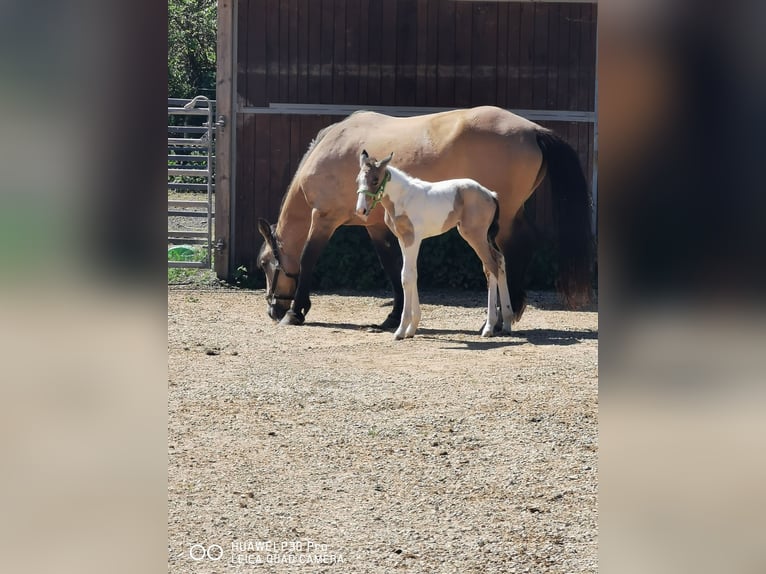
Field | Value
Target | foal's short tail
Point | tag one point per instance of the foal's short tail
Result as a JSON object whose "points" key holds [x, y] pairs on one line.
{"points": [[572, 210]]}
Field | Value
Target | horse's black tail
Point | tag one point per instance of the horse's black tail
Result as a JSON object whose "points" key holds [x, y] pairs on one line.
{"points": [[572, 212], [519, 250]]}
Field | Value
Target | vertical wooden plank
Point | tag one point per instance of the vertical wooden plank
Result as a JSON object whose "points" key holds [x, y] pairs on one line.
{"points": [[308, 132], [302, 32], [327, 51], [574, 56], [554, 19], [539, 80], [296, 150], [463, 37], [563, 71], [246, 240], [339, 53], [388, 54], [590, 55], [514, 55], [484, 54], [406, 52], [314, 10], [363, 43], [292, 43], [284, 49], [446, 61], [421, 67], [226, 68], [526, 56], [261, 169], [242, 64], [353, 41], [374, 51], [272, 51], [255, 30], [279, 164], [432, 53], [501, 96]]}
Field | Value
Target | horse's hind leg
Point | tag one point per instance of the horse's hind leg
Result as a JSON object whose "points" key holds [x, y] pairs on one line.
{"points": [[506, 307], [489, 326]]}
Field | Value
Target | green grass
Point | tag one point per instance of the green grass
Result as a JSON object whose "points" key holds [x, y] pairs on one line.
{"points": [[193, 275]]}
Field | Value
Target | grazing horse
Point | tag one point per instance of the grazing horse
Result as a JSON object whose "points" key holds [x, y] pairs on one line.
{"points": [[417, 209], [507, 153]]}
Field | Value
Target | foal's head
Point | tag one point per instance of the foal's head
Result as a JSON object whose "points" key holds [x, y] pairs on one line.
{"points": [[371, 182]]}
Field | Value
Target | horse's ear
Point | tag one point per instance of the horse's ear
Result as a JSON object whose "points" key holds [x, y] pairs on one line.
{"points": [[385, 161], [364, 159], [265, 229]]}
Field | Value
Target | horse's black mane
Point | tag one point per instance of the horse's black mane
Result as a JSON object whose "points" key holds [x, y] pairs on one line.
{"points": [[319, 137], [322, 133]]}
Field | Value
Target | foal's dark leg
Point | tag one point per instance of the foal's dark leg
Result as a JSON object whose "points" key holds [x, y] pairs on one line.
{"points": [[319, 235], [390, 256]]}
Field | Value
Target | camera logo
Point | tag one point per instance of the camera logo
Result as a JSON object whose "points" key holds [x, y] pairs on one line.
{"points": [[199, 552]]}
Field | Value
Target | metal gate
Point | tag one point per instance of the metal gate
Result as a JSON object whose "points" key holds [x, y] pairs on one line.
{"points": [[191, 159]]}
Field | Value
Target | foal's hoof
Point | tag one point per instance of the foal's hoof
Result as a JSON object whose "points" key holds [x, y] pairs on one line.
{"points": [[292, 318]]}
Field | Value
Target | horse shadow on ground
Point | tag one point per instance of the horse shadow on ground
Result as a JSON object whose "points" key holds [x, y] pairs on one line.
{"points": [[559, 337], [535, 337]]}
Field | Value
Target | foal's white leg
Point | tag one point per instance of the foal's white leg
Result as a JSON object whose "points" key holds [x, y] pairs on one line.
{"points": [[415, 311], [491, 306], [505, 297], [409, 286]]}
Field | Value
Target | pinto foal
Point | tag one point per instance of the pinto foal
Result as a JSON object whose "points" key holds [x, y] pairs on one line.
{"points": [[417, 209]]}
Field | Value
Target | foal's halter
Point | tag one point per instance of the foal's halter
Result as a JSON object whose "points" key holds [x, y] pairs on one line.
{"points": [[378, 195]]}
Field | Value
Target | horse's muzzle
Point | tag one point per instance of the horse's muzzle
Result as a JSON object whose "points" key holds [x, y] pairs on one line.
{"points": [[276, 312]]}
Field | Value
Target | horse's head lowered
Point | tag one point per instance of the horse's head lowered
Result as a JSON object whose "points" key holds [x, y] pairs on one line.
{"points": [[280, 285], [371, 182]]}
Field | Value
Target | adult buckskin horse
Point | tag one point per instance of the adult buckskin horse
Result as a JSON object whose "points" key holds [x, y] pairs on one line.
{"points": [[502, 151]]}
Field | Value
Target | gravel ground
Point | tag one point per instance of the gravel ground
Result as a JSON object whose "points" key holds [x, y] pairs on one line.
{"points": [[333, 448]]}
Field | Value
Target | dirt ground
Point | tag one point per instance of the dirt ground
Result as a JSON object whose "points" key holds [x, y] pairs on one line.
{"points": [[333, 448]]}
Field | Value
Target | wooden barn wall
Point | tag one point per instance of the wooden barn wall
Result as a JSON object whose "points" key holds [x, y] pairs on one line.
{"points": [[441, 53]]}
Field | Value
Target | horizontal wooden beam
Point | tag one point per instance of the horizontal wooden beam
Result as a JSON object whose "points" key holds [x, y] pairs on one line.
{"points": [[535, 1], [406, 111]]}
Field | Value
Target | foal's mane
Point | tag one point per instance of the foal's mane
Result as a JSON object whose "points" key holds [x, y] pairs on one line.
{"points": [[411, 179]]}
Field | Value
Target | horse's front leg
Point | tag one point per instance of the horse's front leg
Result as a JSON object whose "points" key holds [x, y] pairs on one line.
{"points": [[319, 234], [390, 256], [411, 310]]}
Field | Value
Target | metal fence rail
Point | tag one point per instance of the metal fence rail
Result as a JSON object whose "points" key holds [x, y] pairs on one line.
{"points": [[191, 161]]}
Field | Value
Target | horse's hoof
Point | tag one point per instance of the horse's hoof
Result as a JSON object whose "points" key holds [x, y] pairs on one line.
{"points": [[399, 335], [391, 322], [292, 318], [486, 332]]}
